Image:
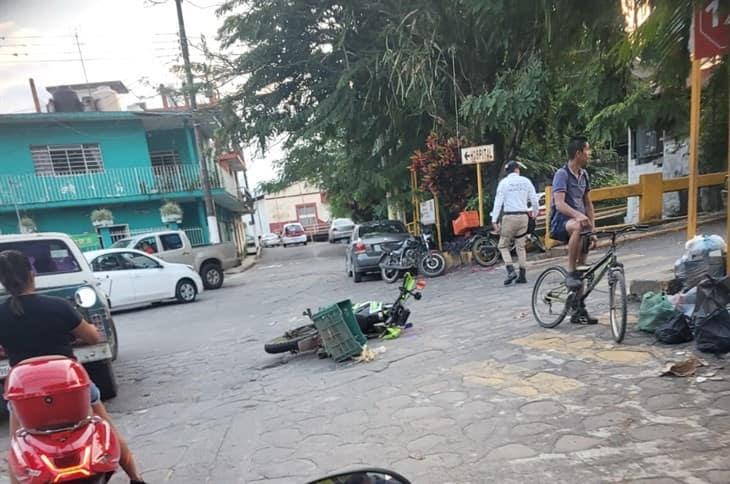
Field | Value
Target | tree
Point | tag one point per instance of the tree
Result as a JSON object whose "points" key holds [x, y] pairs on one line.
{"points": [[358, 86]]}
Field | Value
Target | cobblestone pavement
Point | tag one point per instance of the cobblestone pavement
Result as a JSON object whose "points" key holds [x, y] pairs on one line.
{"points": [[475, 392]]}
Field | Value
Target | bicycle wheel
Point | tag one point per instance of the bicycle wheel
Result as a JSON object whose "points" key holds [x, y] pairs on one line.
{"points": [[550, 297], [617, 304], [485, 252]]}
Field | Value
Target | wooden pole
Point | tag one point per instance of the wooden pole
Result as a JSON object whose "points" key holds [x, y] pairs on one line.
{"points": [[548, 211], [480, 192], [694, 142], [438, 220]]}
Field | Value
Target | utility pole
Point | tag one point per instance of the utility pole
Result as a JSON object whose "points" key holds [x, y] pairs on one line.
{"points": [[213, 232]]}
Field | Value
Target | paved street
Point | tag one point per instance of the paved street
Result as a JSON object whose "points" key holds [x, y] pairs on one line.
{"points": [[476, 392]]}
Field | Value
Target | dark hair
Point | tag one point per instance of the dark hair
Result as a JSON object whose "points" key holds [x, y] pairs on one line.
{"points": [[576, 144], [16, 274]]}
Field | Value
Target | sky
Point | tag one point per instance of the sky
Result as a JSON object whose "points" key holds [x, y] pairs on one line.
{"points": [[133, 41]]}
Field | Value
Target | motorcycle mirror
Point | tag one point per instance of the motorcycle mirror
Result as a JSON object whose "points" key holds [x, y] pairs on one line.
{"points": [[364, 476], [417, 296]]}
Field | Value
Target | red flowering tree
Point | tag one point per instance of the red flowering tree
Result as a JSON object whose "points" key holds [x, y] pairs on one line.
{"points": [[440, 170]]}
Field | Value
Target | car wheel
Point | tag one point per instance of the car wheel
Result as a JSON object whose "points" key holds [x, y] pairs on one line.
{"points": [[357, 276], [186, 292], [212, 275], [102, 374], [348, 269]]}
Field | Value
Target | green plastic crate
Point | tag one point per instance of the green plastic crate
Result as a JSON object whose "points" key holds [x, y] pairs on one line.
{"points": [[346, 308], [335, 334]]}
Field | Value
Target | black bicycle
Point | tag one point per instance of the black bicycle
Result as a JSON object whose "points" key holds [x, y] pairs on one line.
{"points": [[552, 300]]}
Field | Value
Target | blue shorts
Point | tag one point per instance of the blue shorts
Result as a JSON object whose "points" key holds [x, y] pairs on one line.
{"points": [[94, 394], [557, 227]]}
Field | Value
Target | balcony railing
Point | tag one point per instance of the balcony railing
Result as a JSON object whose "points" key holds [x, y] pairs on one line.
{"points": [[111, 183]]}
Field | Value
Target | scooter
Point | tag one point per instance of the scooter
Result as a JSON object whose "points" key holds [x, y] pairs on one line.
{"points": [[375, 319], [59, 439]]}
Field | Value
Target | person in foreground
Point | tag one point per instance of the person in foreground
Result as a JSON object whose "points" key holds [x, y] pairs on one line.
{"points": [[33, 325], [572, 213], [514, 193]]}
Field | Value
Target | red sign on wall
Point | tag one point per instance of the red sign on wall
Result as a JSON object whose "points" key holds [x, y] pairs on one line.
{"points": [[711, 29]]}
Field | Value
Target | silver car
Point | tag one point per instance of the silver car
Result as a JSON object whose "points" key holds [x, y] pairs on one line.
{"points": [[366, 246], [341, 229]]}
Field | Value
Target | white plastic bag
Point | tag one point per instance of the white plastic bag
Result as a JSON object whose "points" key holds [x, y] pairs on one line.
{"points": [[701, 245]]}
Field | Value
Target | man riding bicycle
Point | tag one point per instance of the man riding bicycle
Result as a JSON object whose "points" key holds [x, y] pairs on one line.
{"points": [[572, 213]]}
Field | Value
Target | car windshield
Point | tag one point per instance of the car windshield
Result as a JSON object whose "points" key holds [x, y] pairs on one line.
{"points": [[290, 229], [382, 228], [47, 257], [122, 244]]}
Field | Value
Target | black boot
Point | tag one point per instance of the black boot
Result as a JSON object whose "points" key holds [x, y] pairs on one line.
{"points": [[511, 275], [522, 279]]}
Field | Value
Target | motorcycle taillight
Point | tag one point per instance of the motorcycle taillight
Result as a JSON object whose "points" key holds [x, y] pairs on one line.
{"points": [[69, 468]]}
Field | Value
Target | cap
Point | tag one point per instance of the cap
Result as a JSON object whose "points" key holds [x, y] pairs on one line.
{"points": [[513, 165]]}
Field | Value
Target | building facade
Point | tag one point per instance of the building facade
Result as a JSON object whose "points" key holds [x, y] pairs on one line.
{"points": [[299, 202], [57, 168]]}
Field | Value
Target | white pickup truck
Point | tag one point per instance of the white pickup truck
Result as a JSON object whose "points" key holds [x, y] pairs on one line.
{"points": [[174, 246]]}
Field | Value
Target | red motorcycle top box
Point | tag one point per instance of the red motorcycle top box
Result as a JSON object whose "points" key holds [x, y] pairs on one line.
{"points": [[48, 392]]}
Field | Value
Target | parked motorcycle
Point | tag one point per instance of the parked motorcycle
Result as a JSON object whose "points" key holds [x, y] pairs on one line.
{"points": [[364, 476], [483, 243], [59, 439], [374, 319], [414, 253]]}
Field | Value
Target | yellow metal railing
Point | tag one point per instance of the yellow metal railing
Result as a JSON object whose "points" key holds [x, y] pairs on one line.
{"points": [[650, 190]]}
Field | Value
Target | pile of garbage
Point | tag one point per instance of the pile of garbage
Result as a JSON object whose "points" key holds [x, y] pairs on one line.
{"points": [[700, 311]]}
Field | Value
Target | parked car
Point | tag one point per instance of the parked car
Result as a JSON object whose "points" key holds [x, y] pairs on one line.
{"points": [[341, 229], [132, 278], [293, 234], [173, 246], [62, 271], [251, 247], [270, 240], [366, 246]]}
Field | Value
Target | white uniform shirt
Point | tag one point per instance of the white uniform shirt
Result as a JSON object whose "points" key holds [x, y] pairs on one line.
{"points": [[513, 193]]}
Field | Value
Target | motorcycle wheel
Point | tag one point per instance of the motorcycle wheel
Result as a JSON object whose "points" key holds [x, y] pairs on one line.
{"points": [[289, 341], [433, 264], [389, 275], [485, 252]]}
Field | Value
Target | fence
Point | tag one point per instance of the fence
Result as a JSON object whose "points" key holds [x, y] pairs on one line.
{"points": [[650, 190], [111, 183]]}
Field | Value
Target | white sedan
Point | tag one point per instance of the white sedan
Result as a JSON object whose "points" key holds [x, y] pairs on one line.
{"points": [[132, 278]]}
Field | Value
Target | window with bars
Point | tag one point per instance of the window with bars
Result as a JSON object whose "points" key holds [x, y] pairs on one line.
{"points": [[165, 158], [67, 159]]}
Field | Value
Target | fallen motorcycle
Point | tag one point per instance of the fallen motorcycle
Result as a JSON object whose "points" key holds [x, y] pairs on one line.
{"points": [[375, 319], [414, 253]]}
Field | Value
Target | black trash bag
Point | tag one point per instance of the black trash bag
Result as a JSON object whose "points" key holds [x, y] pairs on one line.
{"points": [[675, 331], [711, 317]]}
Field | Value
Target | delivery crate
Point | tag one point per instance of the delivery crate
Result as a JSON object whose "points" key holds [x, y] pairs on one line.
{"points": [[465, 221], [347, 312], [337, 339]]}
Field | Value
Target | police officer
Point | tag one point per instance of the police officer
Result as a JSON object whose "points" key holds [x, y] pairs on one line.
{"points": [[514, 192]]}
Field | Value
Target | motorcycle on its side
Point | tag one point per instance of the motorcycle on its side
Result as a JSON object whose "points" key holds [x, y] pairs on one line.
{"points": [[414, 253], [374, 318]]}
